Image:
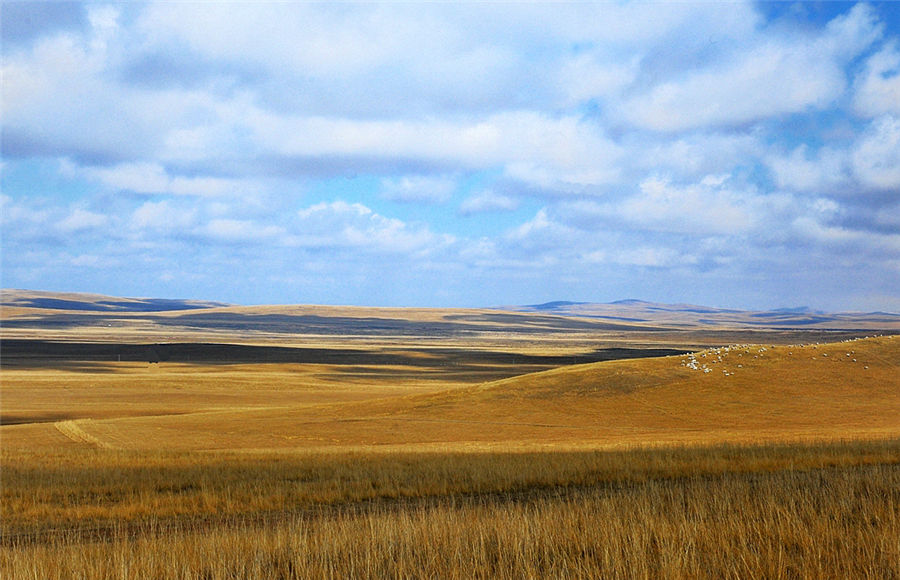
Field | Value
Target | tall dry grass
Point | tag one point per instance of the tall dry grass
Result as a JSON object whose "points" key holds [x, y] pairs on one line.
{"points": [[72, 488], [826, 523], [773, 511]]}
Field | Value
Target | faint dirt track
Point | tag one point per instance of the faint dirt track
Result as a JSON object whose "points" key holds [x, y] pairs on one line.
{"points": [[72, 429]]}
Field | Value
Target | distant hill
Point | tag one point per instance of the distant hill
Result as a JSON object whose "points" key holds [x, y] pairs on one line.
{"points": [[27, 308], [96, 302], [693, 316]]}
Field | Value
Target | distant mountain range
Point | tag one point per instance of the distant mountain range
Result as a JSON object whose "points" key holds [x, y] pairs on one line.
{"points": [[690, 315], [628, 312]]}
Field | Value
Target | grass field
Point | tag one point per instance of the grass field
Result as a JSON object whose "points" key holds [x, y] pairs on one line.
{"points": [[469, 455], [750, 394], [823, 510]]}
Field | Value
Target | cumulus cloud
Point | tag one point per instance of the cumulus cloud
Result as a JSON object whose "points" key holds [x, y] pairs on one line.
{"points": [[739, 92], [704, 208], [144, 177], [692, 155], [487, 201], [344, 225], [234, 230], [544, 232], [864, 168], [591, 76], [533, 147], [878, 87], [827, 170], [708, 207], [58, 92], [876, 159], [418, 188], [162, 215], [81, 220], [771, 76], [15, 215], [651, 257]]}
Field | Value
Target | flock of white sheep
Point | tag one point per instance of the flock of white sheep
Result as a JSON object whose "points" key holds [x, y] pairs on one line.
{"points": [[703, 361]]}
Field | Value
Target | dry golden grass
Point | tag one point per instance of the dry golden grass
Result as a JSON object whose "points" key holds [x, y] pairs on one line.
{"points": [[722, 512], [74, 488], [115, 390], [755, 393], [636, 468], [751, 393]]}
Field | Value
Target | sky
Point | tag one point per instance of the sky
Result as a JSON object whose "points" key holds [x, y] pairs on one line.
{"points": [[742, 155]]}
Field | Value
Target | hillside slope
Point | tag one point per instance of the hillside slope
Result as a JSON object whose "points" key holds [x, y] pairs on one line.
{"points": [[738, 394]]}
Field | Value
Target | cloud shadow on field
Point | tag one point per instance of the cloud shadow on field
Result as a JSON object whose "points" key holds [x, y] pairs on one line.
{"points": [[82, 355], [452, 325]]}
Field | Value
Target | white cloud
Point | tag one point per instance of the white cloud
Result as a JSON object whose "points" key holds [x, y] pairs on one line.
{"points": [[651, 257], [588, 76], [876, 159], [104, 22], [809, 228], [436, 57], [93, 261], [770, 76], [876, 247], [691, 155], [739, 92], [324, 41], [532, 146], [708, 207], [827, 170], [487, 201], [340, 224], [137, 177], [149, 177], [233, 231], [418, 188], [16, 215], [162, 215], [870, 164], [543, 232], [82, 220], [62, 91], [878, 87]]}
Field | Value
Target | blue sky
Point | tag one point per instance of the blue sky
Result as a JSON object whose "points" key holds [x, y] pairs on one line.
{"points": [[454, 154]]}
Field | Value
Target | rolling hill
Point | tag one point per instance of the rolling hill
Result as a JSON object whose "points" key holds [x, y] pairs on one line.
{"points": [[88, 370], [693, 316], [739, 393], [10, 298]]}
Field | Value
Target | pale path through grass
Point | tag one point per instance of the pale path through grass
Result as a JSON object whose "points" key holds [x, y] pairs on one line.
{"points": [[72, 429]]}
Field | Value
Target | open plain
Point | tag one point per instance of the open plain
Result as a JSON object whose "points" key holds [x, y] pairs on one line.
{"points": [[169, 439]]}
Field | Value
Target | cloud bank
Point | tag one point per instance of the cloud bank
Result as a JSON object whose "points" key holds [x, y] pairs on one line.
{"points": [[738, 155]]}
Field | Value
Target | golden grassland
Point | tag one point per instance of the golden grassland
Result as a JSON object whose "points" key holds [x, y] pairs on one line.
{"points": [[751, 394], [117, 390], [819, 510], [73, 488], [780, 461]]}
